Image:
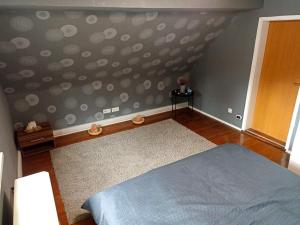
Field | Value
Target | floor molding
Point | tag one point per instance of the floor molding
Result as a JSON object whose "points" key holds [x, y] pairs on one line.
{"points": [[119, 119], [218, 119]]}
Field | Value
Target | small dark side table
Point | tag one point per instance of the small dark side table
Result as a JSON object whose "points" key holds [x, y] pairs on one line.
{"points": [[176, 95]]}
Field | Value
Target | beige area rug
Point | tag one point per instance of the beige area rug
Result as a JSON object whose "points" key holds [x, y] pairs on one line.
{"points": [[88, 167]]}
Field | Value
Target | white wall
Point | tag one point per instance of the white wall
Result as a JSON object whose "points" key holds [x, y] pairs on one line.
{"points": [[294, 163], [7, 146]]}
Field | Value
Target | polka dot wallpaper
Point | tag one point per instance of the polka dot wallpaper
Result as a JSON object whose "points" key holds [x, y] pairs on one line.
{"points": [[65, 67]]}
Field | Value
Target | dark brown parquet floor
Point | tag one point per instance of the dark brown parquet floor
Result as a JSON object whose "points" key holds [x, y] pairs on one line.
{"points": [[202, 125]]}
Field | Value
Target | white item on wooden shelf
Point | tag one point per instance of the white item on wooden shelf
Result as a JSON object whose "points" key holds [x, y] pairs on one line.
{"points": [[33, 201]]}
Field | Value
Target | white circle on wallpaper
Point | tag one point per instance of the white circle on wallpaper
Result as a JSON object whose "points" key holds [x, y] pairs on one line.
{"points": [[84, 107], [69, 30], [65, 86], [156, 62], [86, 54], [70, 118], [21, 23], [170, 37], [110, 33], [125, 37], [137, 47], [20, 42], [147, 54], [32, 99], [115, 64], [47, 79], [147, 84], [110, 87], [136, 105], [9, 90], [45, 53], [99, 116], [91, 19], [124, 97], [51, 108], [102, 62], [161, 26], [27, 73], [82, 77], [67, 62], [97, 84], [160, 85], [97, 38], [42, 15]]}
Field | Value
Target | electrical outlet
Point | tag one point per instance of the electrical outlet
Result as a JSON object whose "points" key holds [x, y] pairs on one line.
{"points": [[115, 109], [105, 111], [229, 110], [239, 117]]}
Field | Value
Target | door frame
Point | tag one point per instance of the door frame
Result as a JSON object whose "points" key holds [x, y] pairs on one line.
{"points": [[255, 72]]}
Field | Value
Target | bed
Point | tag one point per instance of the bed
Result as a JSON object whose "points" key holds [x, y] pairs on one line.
{"points": [[227, 185]]}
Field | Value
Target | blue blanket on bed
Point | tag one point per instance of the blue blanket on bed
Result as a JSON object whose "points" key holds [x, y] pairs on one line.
{"points": [[228, 185]]}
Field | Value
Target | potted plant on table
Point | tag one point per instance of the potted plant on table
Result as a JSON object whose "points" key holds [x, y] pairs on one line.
{"points": [[183, 81]]}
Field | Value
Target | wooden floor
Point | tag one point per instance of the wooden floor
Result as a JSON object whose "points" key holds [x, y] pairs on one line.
{"points": [[202, 125]]}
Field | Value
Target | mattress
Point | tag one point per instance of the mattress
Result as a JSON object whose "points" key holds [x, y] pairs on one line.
{"points": [[225, 185]]}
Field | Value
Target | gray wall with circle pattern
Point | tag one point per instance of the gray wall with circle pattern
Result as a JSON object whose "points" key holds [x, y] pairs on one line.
{"points": [[65, 67]]}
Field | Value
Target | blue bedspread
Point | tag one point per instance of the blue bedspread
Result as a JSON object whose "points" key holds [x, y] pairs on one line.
{"points": [[228, 185]]}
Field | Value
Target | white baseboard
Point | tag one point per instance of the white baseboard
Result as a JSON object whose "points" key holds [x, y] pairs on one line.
{"points": [[20, 170], [119, 119], [216, 118]]}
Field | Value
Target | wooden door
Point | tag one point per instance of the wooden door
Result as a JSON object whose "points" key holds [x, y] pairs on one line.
{"points": [[277, 90]]}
